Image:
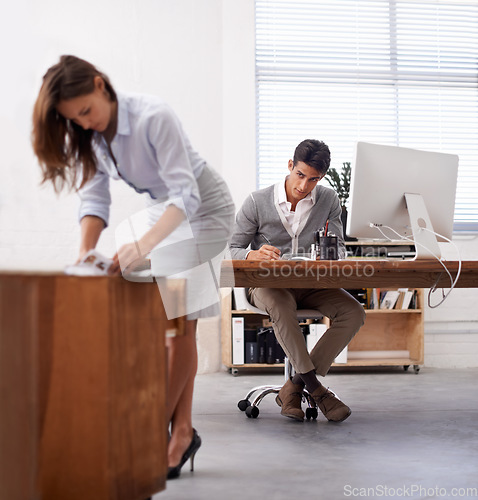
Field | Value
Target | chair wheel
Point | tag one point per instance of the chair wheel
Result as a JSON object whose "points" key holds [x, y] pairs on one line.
{"points": [[243, 404], [311, 413], [252, 411]]}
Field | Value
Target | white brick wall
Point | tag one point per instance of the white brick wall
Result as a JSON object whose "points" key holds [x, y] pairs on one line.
{"points": [[451, 330], [451, 350]]}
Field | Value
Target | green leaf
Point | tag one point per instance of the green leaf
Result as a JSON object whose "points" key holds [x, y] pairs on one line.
{"points": [[340, 181]]}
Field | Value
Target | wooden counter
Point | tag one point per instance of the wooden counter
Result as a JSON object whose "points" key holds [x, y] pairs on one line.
{"points": [[82, 388]]}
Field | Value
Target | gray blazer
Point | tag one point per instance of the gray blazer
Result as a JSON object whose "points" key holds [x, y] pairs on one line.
{"points": [[260, 220]]}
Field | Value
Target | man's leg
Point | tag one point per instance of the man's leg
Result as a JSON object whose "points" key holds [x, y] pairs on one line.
{"points": [[281, 306], [347, 316]]}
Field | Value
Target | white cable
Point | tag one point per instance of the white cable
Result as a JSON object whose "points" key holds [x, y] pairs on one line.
{"points": [[432, 289], [458, 272], [421, 245]]}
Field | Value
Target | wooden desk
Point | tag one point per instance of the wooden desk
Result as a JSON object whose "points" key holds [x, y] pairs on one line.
{"points": [[385, 331], [353, 273], [82, 388]]}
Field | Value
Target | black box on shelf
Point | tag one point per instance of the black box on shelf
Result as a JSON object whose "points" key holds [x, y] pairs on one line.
{"points": [[270, 346], [251, 353], [279, 353], [261, 345]]}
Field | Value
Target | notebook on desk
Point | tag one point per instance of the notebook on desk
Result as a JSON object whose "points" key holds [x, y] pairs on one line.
{"points": [[367, 258], [296, 256]]}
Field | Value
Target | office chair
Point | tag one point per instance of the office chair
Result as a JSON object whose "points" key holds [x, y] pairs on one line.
{"points": [[252, 409]]}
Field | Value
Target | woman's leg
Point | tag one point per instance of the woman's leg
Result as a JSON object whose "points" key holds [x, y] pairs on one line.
{"points": [[182, 368]]}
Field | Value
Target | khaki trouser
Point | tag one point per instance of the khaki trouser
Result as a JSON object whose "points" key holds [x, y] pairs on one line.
{"points": [[345, 313]]}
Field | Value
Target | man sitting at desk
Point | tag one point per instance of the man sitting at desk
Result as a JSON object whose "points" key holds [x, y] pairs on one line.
{"points": [[282, 219]]}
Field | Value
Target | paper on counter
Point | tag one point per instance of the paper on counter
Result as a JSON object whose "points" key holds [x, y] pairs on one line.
{"points": [[92, 264]]}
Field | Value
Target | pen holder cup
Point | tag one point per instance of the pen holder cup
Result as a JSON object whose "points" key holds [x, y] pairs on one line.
{"points": [[328, 248]]}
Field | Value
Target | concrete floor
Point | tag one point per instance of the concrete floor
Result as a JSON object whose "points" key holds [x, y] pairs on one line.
{"points": [[409, 436]]}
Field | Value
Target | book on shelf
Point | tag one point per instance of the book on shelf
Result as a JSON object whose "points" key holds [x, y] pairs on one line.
{"points": [[402, 298], [238, 340], [398, 304], [407, 299], [390, 299], [414, 301], [368, 303]]}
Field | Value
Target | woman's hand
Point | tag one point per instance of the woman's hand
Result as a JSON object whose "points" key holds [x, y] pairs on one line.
{"points": [[82, 253], [91, 227], [132, 254], [128, 255], [266, 252]]}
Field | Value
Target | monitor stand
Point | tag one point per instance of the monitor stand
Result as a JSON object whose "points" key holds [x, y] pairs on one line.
{"points": [[426, 244]]}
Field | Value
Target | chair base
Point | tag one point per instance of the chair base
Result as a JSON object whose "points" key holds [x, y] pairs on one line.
{"points": [[261, 391]]}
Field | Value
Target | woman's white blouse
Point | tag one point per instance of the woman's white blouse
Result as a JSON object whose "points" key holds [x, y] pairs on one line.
{"points": [[153, 155]]}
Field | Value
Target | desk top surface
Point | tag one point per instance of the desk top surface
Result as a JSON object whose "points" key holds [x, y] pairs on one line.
{"points": [[348, 273]]}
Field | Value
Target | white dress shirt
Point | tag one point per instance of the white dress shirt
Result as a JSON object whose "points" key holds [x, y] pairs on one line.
{"points": [[302, 209]]}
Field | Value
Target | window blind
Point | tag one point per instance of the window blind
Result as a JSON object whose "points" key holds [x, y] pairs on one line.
{"points": [[392, 72]]}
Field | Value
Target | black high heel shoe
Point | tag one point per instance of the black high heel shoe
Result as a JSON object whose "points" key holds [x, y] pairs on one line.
{"points": [[174, 472]]}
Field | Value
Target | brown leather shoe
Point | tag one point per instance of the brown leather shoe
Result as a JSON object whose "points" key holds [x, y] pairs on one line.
{"points": [[330, 405], [289, 399]]}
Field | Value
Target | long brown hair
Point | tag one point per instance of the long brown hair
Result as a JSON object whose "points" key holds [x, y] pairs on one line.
{"points": [[61, 145]]}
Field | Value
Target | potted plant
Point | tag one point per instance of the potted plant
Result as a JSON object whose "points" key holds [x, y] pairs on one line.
{"points": [[340, 182]]}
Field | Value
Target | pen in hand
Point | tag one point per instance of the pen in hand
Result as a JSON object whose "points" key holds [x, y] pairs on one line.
{"points": [[266, 239], [265, 252]]}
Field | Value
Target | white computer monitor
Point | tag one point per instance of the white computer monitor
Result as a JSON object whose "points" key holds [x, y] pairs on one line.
{"points": [[405, 189]]}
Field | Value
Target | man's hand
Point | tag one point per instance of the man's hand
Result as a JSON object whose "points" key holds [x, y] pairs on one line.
{"points": [[266, 252]]}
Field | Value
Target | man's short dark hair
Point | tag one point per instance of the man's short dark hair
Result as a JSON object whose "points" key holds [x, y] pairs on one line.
{"points": [[313, 153]]}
